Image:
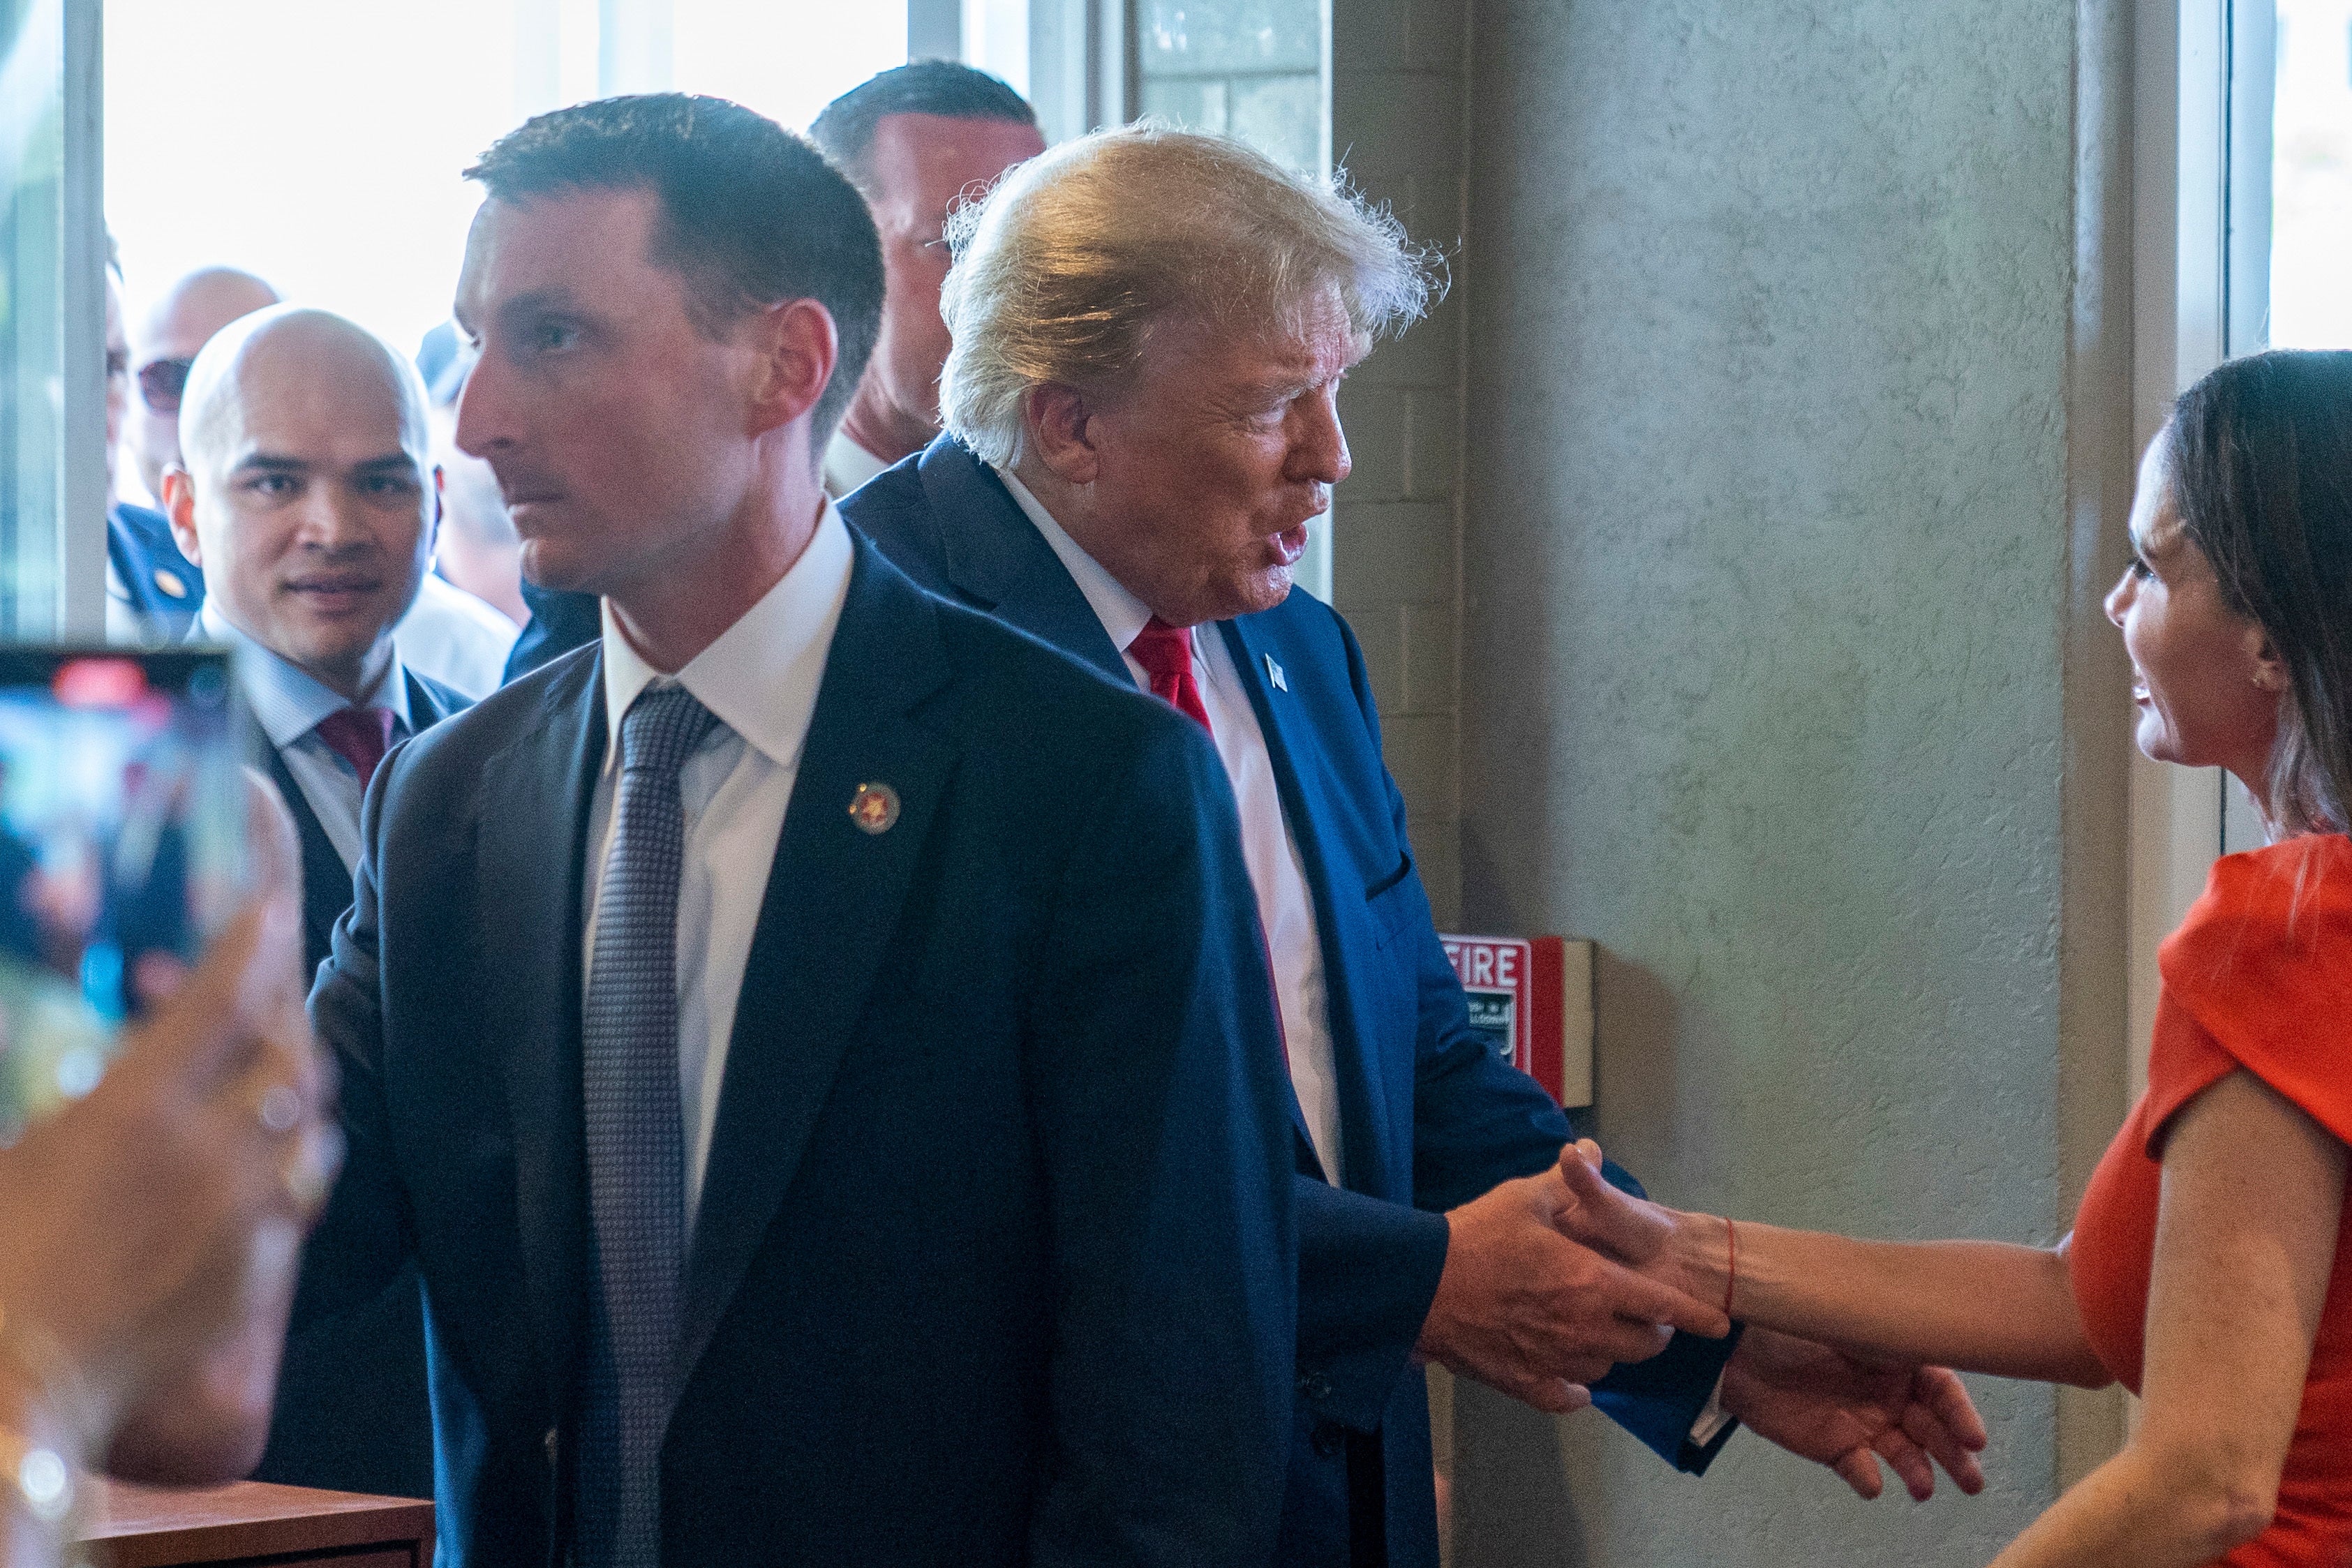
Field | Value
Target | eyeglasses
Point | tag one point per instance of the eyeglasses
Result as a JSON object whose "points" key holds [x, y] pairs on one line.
{"points": [[161, 382]]}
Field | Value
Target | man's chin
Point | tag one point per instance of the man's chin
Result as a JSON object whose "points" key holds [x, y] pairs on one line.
{"points": [[546, 563]]}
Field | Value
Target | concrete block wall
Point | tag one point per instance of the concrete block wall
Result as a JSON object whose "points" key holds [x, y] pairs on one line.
{"points": [[1398, 80], [1782, 673]]}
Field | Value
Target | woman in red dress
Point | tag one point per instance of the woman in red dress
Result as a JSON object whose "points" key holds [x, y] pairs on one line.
{"points": [[2207, 1270]]}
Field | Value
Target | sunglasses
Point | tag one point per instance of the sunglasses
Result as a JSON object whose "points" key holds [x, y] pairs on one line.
{"points": [[161, 384]]}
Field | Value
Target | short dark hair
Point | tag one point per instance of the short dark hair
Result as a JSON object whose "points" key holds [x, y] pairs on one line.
{"points": [[944, 88], [751, 214], [2261, 470]]}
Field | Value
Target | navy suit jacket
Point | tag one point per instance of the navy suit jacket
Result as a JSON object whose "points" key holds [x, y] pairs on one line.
{"points": [[352, 1412], [1432, 1118], [994, 1258], [560, 622]]}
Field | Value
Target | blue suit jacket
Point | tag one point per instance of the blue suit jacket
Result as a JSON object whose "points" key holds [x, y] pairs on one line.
{"points": [[164, 587], [1432, 1118], [352, 1412], [994, 1258]]}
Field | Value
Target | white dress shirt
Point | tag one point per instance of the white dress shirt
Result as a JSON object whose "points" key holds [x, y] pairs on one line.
{"points": [[1285, 907], [459, 640], [288, 704], [847, 466], [760, 679]]}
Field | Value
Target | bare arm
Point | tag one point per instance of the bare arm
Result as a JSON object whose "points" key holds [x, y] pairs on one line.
{"points": [[2245, 1242], [1978, 1306]]}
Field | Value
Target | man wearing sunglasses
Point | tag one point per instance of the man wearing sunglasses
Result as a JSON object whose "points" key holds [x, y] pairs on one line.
{"points": [[180, 323], [152, 591]]}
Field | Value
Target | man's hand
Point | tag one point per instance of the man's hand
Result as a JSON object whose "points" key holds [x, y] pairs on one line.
{"points": [[1524, 1310], [1840, 1411]]}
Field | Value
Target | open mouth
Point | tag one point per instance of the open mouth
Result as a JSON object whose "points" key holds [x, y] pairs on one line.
{"points": [[1289, 545]]}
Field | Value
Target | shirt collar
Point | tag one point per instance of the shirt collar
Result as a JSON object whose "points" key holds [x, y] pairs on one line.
{"points": [[287, 701], [761, 677], [847, 465], [1122, 615]]}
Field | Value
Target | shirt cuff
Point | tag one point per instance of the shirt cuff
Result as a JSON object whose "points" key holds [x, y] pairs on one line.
{"points": [[1712, 1417]]}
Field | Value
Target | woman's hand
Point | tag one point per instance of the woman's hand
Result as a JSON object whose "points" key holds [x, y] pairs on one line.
{"points": [[154, 1225], [1684, 1251], [1848, 1412]]}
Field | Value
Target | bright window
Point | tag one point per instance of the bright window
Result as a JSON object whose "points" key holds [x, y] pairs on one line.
{"points": [[2311, 192], [319, 144]]}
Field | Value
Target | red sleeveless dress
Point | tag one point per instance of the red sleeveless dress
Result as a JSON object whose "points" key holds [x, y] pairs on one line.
{"points": [[2258, 977]]}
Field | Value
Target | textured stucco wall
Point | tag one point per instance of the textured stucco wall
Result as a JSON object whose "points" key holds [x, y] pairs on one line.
{"points": [[1765, 596]]}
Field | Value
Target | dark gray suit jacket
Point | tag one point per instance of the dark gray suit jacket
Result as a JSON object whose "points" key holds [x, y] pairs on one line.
{"points": [[351, 1411]]}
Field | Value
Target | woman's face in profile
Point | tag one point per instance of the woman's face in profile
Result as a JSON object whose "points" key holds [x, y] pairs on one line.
{"points": [[2204, 680]]}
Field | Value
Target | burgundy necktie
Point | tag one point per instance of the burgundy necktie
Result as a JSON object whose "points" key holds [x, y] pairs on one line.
{"points": [[1165, 652], [360, 735]]}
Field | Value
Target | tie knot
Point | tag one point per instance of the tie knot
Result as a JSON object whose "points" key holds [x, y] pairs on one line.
{"points": [[662, 728], [1165, 651], [360, 735]]}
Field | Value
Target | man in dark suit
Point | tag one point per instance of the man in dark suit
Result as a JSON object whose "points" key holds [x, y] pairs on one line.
{"points": [[811, 1038], [306, 485], [1149, 332], [916, 139]]}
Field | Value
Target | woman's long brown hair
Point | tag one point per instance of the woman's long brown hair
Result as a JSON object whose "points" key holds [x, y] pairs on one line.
{"points": [[2262, 474]]}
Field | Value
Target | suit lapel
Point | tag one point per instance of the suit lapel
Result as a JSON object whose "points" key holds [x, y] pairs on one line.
{"points": [[326, 880], [832, 903], [534, 823], [1298, 762], [426, 707], [996, 558]]}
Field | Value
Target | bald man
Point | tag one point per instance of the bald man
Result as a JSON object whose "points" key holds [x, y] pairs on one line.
{"points": [[174, 329], [307, 493]]}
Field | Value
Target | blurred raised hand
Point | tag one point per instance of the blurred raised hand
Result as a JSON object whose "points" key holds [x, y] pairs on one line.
{"points": [[154, 1226]]}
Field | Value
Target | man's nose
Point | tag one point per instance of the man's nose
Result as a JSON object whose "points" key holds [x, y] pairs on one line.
{"points": [[2119, 598], [334, 517], [1321, 450], [481, 410]]}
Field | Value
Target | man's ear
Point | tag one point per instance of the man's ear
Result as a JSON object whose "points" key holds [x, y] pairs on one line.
{"points": [[433, 518], [1061, 428], [797, 348], [180, 506]]}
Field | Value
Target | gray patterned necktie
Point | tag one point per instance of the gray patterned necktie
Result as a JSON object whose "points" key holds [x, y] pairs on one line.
{"points": [[635, 1138]]}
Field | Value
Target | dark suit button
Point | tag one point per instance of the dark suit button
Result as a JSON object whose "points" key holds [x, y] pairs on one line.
{"points": [[1329, 1439]]}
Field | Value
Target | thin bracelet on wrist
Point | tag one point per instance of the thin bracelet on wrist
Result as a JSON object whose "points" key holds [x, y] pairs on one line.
{"points": [[1731, 1265]]}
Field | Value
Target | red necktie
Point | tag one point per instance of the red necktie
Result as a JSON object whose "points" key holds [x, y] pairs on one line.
{"points": [[360, 735], [1165, 652]]}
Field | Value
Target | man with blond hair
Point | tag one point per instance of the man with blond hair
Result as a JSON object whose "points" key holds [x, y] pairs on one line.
{"points": [[1150, 328]]}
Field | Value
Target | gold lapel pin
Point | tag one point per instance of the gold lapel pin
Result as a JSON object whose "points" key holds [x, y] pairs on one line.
{"points": [[169, 581], [875, 807]]}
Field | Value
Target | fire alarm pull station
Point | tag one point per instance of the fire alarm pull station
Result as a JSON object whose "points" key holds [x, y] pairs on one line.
{"points": [[1531, 996]]}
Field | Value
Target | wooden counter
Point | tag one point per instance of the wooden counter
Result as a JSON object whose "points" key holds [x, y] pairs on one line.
{"points": [[251, 1521]]}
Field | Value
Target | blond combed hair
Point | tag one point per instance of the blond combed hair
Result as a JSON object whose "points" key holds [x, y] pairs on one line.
{"points": [[1064, 271]]}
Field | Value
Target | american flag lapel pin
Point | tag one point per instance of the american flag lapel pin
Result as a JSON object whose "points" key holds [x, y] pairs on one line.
{"points": [[1274, 674]]}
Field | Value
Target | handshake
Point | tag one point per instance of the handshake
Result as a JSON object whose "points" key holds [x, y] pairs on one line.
{"points": [[1552, 1280]]}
